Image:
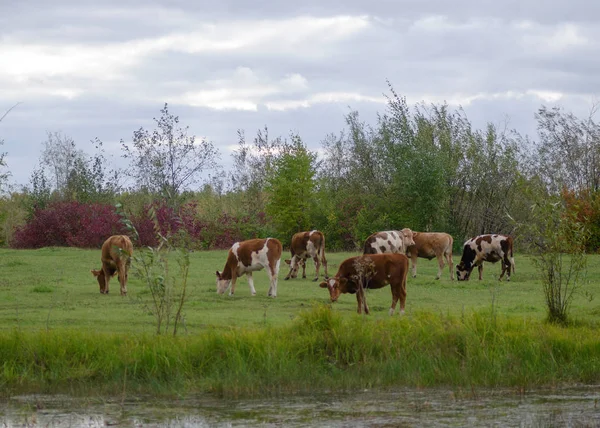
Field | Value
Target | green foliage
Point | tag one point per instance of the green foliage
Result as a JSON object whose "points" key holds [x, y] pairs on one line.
{"points": [[558, 241], [168, 289], [291, 189]]}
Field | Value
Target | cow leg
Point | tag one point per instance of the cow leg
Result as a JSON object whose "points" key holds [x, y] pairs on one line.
{"points": [[503, 271], [359, 302], [122, 275], [440, 260], [292, 264], [233, 281], [106, 280], [317, 266], [273, 272], [304, 266], [251, 283], [324, 261], [480, 269], [450, 265], [398, 293], [413, 260]]}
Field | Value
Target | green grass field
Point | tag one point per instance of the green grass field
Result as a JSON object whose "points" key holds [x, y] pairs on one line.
{"points": [[58, 333], [52, 288]]}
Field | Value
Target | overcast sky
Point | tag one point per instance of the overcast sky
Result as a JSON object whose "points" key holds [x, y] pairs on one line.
{"points": [[105, 68]]}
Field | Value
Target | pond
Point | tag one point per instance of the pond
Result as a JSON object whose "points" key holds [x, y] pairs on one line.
{"points": [[565, 407]]}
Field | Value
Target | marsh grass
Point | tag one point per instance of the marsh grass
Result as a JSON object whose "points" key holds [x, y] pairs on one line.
{"points": [[319, 350]]}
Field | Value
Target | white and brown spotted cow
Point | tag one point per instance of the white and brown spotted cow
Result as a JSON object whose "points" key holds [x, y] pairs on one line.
{"points": [[486, 248], [390, 241], [116, 259], [383, 269], [246, 257], [429, 245], [304, 245]]}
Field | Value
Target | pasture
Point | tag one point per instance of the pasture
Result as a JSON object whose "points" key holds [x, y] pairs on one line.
{"points": [[58, 333], [52, 288]]}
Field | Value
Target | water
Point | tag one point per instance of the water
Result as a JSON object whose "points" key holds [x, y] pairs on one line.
{"points": [[566, 407]]}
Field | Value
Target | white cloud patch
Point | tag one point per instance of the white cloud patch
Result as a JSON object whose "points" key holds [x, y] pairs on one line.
{"points": [[321, 98], [243, 90], [464, 99]]}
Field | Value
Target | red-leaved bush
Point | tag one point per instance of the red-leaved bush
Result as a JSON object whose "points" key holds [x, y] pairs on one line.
{"points": [[70, 224], [75, 224]]}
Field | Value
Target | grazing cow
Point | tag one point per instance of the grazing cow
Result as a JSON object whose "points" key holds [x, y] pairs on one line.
{"points": [[429, 245], [391, 241], [116, 258], [304, 245], [486, 248], [246, 257], [379, 270]]}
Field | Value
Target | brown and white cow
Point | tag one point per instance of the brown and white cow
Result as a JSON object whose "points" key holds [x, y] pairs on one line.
{"points": [[116, 258], [486, 248], [304, 245], [382, 269], [429, 245], [246, 257], [390, 241]]}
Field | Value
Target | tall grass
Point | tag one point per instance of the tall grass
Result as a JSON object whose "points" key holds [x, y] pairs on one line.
{"points": [[319, 351]]}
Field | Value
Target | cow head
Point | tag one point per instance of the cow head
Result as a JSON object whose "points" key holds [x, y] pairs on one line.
{"points": [[99, 274], [296, 266], [463, 271], [407, 237], [222, 284], [335, 286]]}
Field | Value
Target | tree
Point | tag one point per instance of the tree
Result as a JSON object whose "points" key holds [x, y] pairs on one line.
{"points": [[58, 159], [291, 188], [91, 180], [4, 175], [568, 152], [557, 240], [166, 160]]}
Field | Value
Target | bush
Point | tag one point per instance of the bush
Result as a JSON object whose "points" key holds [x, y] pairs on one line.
{"points": [[75, 224], [70, 224]]}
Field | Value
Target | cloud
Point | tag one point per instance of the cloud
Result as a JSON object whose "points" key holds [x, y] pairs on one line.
{"points": [[105, 69]]}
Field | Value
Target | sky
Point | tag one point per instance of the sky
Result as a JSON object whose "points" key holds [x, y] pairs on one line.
{"points": [[102, 70]]}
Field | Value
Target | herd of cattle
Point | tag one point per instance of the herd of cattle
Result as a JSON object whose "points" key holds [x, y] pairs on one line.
{"points": [[384, 261]]}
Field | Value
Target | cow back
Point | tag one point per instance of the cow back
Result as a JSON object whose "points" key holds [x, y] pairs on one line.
{"points": [[381, 269]]}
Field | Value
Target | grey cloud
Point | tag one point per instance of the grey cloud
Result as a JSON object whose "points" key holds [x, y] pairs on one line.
{"points": [[481, 52]]}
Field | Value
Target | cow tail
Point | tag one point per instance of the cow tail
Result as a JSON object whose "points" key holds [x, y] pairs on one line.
{"points": [[512, 259]]}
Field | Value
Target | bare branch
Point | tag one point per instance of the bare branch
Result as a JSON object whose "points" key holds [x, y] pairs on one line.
{"points": [[8, 111]]}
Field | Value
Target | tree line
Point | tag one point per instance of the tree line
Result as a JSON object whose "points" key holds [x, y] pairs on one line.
{"points": [[424, 166]]}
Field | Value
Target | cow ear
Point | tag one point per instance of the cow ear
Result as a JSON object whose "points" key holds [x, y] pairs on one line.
{"points": [[288, 261], [218, 274], [95, 272], [323, 284]]}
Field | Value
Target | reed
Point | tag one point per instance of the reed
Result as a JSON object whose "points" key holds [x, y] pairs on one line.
{"points": [[319, 351]]}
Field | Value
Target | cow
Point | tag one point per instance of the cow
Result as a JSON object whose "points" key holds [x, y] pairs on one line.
{"points": [[391, 241], [429, 245], [304, 245], [486, 248], [246, 257], [378, 271], [116, 259]]}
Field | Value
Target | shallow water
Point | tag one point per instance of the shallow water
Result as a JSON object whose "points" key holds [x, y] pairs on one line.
{"points": [[566, 407]]}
